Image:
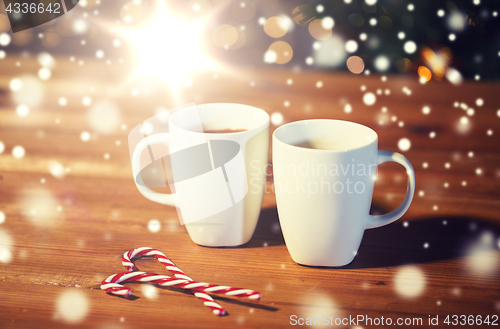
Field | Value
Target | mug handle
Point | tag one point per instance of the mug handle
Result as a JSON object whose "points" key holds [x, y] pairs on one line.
{"points": [[161, 198], [381, 220]]}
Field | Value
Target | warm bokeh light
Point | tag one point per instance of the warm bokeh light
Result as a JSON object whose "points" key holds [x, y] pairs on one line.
{"points": [[318, 31], [355, 64], [46, 60], [482, 256], [5, 247], [228, 37], [463, 126], [200, 7], [149, 291], [154, 225], [283, 51], [72, 306], [381, 63], [369, 99], [168, 47], [5, 39], [331, 52], [277, 118], [351, 46], [224, 35], [315, 304], [438, 62], [40, 207], [456, 21], [327, 22], [89, 3], [18, 152], [28, 90], [409, 282], [410, 47], [404, 144], [454, 76], [276, 26], [424, 73], [240, 42], [56, 169]]}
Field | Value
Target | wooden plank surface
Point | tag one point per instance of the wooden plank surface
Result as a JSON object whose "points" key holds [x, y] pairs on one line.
{"points": [[84, 221]]}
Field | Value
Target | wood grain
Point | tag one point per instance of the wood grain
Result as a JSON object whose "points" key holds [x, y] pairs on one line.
{"points": [[102, 214]]}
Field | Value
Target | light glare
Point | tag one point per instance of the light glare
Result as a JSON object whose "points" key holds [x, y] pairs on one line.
{"points": [[154, 47]]}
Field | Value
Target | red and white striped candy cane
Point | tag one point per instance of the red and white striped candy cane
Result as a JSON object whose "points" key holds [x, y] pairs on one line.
{"points": [[178, 273], [112, 284], [163, 280], [147, 251]]}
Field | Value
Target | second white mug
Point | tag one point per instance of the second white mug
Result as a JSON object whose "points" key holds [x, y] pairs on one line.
{"points": [[324, 173]]}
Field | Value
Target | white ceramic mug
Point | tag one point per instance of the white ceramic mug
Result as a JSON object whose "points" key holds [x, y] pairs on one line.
{"points": [[324, 188], [213, 204]]}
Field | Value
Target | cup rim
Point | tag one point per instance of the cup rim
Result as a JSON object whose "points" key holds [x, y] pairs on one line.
{"points": [[250, 107], [304, 149]]}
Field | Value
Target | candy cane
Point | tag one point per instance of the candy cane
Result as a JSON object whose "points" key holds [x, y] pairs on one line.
{"points": [[178, 273], [112, 283], [113, 286], [147, 251]]}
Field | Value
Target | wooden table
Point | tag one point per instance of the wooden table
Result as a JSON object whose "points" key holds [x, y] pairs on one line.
{"points": [[66, 234]]}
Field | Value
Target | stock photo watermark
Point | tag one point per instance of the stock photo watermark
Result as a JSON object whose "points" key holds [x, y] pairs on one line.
{"points": [[365, 320], [315, 178], [26, 14]]}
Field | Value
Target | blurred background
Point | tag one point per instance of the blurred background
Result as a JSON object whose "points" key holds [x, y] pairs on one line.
{"points": [[437, 40]]}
